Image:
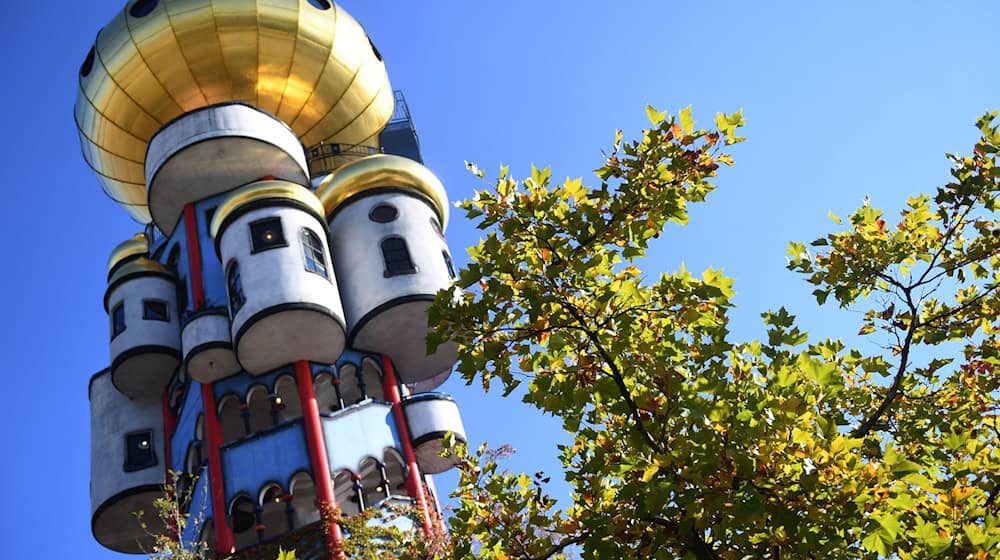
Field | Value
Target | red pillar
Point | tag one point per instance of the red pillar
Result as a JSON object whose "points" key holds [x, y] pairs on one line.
{"points": [[225, 543], [325, 498], [414, 485], [194, 258]]}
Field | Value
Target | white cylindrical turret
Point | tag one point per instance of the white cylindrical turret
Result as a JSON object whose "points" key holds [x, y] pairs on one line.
{"points": [[141, 302], [283, 300], [214, 149], [431, 416], [208, 347], [387, 216], [127, 471]]}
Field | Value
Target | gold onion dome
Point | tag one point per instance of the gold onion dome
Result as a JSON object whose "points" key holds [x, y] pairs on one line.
{"points": [[263, 190], [308, 62], [136, 246], [381, 171]]}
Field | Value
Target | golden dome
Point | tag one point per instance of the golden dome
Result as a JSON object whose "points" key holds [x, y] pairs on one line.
{"points": [[137, 245], [136, 267], [379, 171], [263, 190], [307, 62]]}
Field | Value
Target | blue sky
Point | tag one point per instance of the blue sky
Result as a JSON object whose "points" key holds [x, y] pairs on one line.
{"points": [[841, 99]]}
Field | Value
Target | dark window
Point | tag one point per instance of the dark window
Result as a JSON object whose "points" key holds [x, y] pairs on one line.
{"points": [[117, 320], [142, 8], [235, 285], [312, 248], [139, 452], [242, 514], [88, 63], [397, 257], [182, 294], [383, 213], [437, 227], [266, 234], [209, 214], [449, 264], [155, 310], [320, 4]]}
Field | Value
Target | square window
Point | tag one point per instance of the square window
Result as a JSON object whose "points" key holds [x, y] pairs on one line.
{"points": [[118, 319], [266, 234], [139, 452], [155, 310]]}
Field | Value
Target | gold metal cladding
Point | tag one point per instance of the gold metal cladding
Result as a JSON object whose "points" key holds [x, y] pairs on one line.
{"points": [[314, 69], [136, 245], [141, 265], [382, 171], [264, 190]]}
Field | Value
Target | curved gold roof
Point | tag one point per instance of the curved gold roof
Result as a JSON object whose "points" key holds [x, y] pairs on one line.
{"points": [[263, 190], [137, 245], [382, 171], [141, 265], [313, 68]]}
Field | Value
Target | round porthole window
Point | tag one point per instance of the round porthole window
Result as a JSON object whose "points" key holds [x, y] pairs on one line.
{"points": [[142, 8], [88, 63], [320, 4], [383, 213]]}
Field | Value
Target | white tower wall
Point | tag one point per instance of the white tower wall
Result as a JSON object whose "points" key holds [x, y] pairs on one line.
{"points": [[145, 354], [116, 490], [388, 314], [289, 313]]}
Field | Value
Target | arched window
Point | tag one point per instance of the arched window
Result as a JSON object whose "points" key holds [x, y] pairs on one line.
{"points": [[374, 483], [287, 399], [371, 375], [397, 257], [347, 497], [273, 513], [303, 500], [351, 391], [199, 428], [243, 520], [235, 286], [328, 392], [448, 264], [259, 405], [229, 416], [395, 473], [312, 249]]}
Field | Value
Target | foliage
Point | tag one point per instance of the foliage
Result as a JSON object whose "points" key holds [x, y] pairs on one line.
{"points": [[686, 443], [172, 512]]}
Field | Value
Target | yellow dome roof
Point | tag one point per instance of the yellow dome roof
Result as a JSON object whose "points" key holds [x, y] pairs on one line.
{"points": [[308, 62], [136, 245], [379, 171]]}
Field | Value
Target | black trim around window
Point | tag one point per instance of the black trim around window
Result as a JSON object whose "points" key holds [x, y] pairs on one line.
{"points": [[139, 451], [266, 234], [118, 319], [396, 256], [155, 310]]}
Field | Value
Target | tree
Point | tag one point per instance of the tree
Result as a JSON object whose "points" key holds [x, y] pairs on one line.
{"points": [[688, 444]]}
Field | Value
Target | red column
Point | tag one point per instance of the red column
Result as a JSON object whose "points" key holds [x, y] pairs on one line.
{"points": [[413, 483], [325, 498], [194, 258], [225, 543]]}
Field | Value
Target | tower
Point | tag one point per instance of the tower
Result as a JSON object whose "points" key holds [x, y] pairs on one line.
{"points": [[267, 327]]}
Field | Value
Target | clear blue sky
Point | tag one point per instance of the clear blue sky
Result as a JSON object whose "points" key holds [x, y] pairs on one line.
{"points": [[842, 99]]}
